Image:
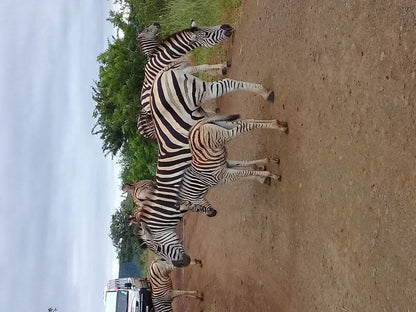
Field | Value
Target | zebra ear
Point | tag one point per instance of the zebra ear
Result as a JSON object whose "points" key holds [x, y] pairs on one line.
{"points": [[143, 227], [194, 37], [145, 231]]}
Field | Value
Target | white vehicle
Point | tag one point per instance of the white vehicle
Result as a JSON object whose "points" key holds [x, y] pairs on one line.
{"points": [[128, 295]]}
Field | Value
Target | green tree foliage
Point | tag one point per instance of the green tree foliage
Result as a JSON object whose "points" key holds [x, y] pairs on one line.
{"points": [[117, 93], [138, 160], [124, 236], [117, 97]]}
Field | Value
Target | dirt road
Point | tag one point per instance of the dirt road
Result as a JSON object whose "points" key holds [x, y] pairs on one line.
{"points": [[338, 233]]}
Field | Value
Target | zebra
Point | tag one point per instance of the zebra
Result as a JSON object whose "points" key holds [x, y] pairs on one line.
{"points": [[176, 105], [158, 274], [162, 54], [146, 39], [209, 167], [139, 191], [148, 44]]}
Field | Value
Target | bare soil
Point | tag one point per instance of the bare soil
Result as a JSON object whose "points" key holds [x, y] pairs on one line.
{"points": [[338, 233]]}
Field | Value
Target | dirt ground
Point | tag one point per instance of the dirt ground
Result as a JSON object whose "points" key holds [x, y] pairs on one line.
{"points": [[338, 233]]}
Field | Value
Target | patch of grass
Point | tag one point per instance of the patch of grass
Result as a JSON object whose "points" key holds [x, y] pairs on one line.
{"points": [[212, 308], [233, 12], [179, 13], [202, 11]]}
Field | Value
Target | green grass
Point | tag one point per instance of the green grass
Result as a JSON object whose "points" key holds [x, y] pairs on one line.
{"points": [[179, 14], [212, 308], [175, 15]]}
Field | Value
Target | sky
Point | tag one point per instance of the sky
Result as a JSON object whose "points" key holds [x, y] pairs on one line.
{"points": [[58, 191]]}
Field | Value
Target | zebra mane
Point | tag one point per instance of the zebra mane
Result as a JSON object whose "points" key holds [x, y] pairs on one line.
{"points": [[192, 29]]}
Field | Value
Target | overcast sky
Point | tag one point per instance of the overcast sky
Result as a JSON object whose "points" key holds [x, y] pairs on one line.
{"points": [[57, 189]]}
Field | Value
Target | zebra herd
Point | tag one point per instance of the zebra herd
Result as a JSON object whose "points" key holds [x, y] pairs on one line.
{"points": [[191, 154]]}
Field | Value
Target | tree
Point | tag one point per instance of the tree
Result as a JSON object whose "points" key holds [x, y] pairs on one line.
{"points": [[117, 93], [117, 97], [124, 237]]}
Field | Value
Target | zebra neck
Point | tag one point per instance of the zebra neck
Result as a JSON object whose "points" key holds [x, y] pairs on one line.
{"points": [[148, 46], [177, 45]]}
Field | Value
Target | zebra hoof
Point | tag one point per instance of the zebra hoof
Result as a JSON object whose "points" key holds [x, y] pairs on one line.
{"points": [[275, 160], [279, 178], [200, 296], [270, 97], [268, 181], [224, 70], [259, 167], [229, 63], [212, 213], [282, 126]]}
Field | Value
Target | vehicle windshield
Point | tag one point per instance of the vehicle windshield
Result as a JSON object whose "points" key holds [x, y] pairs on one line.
{"points": [[122, 301]]}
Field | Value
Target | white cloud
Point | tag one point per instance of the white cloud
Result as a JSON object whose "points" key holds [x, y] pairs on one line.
{"points": [[58, 191]]}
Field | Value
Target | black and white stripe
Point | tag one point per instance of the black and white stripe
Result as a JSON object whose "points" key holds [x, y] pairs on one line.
{"points": [[176, 106], [139, 191], [146, 39], [142, 189], [165, 53], [163, 293], [210, 167]]}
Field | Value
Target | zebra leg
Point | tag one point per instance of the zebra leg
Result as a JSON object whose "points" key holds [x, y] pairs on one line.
{"points": [[231, 129], [246, 125], [257, 164], [213, 70], [187, 293], [231, 175], [202, 205], [218, 88]]}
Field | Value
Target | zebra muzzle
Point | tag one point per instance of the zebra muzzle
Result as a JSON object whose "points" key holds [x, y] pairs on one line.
{"points": [[185, 261], [211, 213], [228, 30]]}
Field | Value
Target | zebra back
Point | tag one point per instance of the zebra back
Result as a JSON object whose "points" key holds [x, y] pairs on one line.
{"points": [[171, 50], [158, 274]]}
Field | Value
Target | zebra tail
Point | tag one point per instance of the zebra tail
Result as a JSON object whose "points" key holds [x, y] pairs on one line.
{"points": [[216, 118], [223, 121]]}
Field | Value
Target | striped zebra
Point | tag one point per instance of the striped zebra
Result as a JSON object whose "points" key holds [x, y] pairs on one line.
{"points": [[139, 191], [158, 274], [209, 167], [146, 39], [176, 106], [148, 43], [162, 54]]}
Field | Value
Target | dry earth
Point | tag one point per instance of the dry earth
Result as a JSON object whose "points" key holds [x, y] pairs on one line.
{"points": [[339, 232]]}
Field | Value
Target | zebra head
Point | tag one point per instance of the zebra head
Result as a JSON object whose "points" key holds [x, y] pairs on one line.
{"points": [[149, 32], [210, 36], [201, 206], [146, 39], [166, 244]]}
